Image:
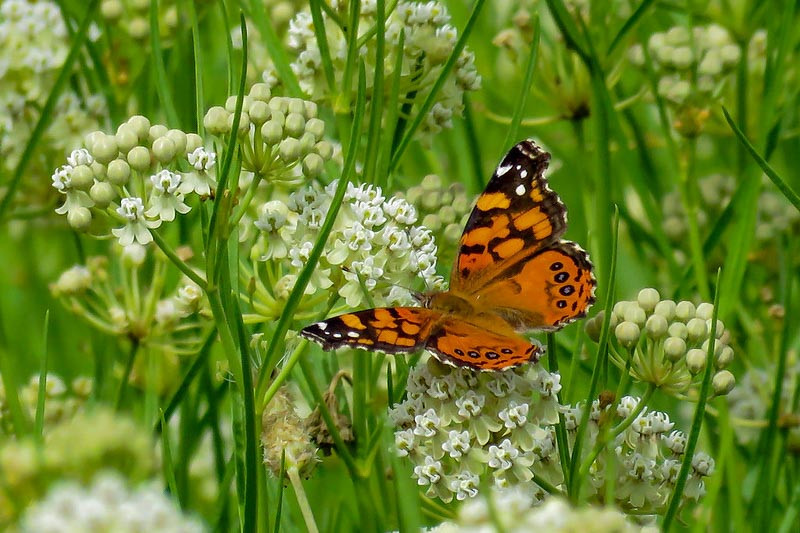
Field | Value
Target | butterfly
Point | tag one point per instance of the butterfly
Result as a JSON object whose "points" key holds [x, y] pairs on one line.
{"points": [[512, 273]]}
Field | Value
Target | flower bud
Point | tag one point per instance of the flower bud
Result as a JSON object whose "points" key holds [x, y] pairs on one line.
{"points": [[656, 326], [723, 382], [139, 158], [682, 57], [126, 137], [140, 125], [295, 124], [315, 127], [138, 28], [259, 112], [432, 222], [705, 311], [665, 308], [133, 255], [678, 329], [307, 142], [695, 360], [244, 123], [119, 171], [73, 281], [102, 193], [627, 334], [179, 138], [193, 142], [164, 149], [717, 347], [156, 131], [725, 357], [312, 165], [272, 132], [230, 103], [216, 120], [81, 177], [289, 150], [324, 149], [104, 148], [593, 326], [260, 92], [296, 105], [648, 298], [279, 103], [112, 10], [674, 348], [697, 330], [635, 314], [79, 218], [310, 108]]}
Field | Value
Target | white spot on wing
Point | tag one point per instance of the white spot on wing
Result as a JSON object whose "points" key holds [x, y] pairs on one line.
{"points": [[524, 174], [322, 325], [352, 334], [520, 190], [337, 335], [502, 170]]}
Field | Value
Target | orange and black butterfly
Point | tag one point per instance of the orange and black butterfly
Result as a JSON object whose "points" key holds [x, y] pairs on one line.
{"points": [[513, 273]]}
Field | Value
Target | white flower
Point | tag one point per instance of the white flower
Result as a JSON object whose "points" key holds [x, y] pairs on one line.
{"points": [[400, 210], [136, 228], [502, 457], [428, 473], [470, 404], [202, 180], [464, 484], [166, 198], [514, 415], [80, 156], [427, 424], [457, 443], [404, 442]]}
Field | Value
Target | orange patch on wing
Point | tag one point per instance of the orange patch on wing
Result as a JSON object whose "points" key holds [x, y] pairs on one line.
{"points": [[508, 248], [543, 230], [383, 319], [529, 218], [388, 336], [352, 321], [493, 200], [404, 341], [409, 328], [536, 194], [366, 341]]}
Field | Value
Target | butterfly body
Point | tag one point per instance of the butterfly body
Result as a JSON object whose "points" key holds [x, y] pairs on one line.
{"points": [[513, 273]]}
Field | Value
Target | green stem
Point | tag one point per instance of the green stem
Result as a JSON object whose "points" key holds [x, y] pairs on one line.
{"points": [[178, 262], [126, 375], [689, 197]]}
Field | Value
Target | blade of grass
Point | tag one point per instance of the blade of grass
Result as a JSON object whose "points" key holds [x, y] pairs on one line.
{"points": [[437, 85], [322, 43], [522, 98], [157, 55], [376, 105], [779, 182], [258, 10], [629, 24], [697, 421], [574, 481], [197, 50], [49, 105], [279, 505], [316, 252], [567, 28], [166, 450], [42, 392], [561, 429]]}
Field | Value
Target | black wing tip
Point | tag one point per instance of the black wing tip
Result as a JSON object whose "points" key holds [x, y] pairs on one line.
{"points": [[315, 333], [533, 151]]}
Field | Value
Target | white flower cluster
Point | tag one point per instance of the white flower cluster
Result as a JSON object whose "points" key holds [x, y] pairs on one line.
{"points": [[107, 505], [456, 425], [33, 45], [140, 176], [667, 342], [676, 54], [62, 399], [429, 40], [517, 511], [648, 455], [375, 243]]}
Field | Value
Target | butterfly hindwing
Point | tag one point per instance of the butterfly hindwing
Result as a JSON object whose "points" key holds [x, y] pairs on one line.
{"points": [[463, 344], [546, 291], [516, 215], [386, 329]]}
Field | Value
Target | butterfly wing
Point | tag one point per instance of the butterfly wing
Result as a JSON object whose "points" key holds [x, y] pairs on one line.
{"points": [[385, 329], [460, 343], [512, 259]]}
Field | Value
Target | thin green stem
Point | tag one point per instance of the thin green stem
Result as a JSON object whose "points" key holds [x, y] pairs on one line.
{"points": [[126, 374]]}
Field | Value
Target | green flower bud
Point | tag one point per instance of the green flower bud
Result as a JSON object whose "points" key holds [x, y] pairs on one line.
{"points": [[665, 308], [141, 125], [431, 182], [79, 218], [98, 170], [723, 382], [289, 150], [431, 200], [678, 329], [104, 148], [126, 137], [164, 149], [705, 311], [452, 233], [259, 112], [102, 193], [717, 347], [432, 222], [315, 127], [311, 108], [111, 10], [296, 105], [307, 142], [324, 149], [635, 314], [244, 123], [279, 103], [216, 121], [119, 171], [711, 64], [179, 138], [260, 92], [295, 124], [725, 357], [272, 132], [656, 326], [682, 57], [648, 299], [139, 158], [697, 329], [193, 142], [593, 327], [278, 116], [674, 228], [695, 360], [720, 328], [92, 137], [627, 334], [230, 104], [674, 348], [684, 311], [447, 214], [81, 177], [138, 28], [156, 131], [729, 54], [620, 308], [312, 165], [133, 255]]}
